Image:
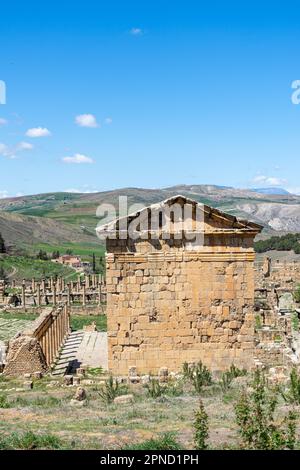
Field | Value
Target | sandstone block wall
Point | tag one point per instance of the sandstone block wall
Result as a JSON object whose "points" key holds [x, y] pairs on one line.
{"points": [[25, 355], [167, 305]]}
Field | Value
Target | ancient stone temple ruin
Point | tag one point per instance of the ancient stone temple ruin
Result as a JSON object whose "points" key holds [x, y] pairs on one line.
{"points": [[170, 300]]}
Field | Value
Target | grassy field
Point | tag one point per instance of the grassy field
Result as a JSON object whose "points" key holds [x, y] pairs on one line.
{"points": [[84, 250], [79, 321], [45, 418], [21, 267]]}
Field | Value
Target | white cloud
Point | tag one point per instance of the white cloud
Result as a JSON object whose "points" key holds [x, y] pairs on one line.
{"points": [[86, 120], [136, 31], [78, 158], [108, 120], [24, 146], [3, 194], [269, 180], [3, 122], [83, 191], [38, 132], [294, 190], [12, 151]]}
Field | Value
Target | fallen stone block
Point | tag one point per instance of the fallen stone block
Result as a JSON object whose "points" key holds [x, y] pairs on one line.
{"points": [[124, 399]]}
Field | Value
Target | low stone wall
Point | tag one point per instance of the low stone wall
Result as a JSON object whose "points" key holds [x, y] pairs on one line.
{"points": [[88, 310], [35, 348]]}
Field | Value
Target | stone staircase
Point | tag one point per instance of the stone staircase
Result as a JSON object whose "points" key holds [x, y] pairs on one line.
{"points": [[82, 347], [67, 361]]}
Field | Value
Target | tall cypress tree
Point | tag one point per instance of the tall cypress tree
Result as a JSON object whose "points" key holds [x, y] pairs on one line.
{"points": [[2, 245]]}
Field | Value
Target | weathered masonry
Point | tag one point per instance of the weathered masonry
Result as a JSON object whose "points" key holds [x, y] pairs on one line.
{"points": [[171, 301]]}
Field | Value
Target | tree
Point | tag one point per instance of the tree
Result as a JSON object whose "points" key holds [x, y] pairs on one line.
{"points": [[3, 275], [201, 428], [2, 245], [255, 413], [55, 254], [42, 255], [94, 263]]}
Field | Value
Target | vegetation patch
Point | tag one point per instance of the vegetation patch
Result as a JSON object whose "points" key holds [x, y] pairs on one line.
{"points": [[79, 321], [284, 243]]}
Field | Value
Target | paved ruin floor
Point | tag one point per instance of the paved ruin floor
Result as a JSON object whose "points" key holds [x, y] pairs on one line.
{"points": [[92, 350], [10, 326], [87, 348]]}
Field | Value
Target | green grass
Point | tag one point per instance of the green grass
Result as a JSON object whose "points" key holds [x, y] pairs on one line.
{"points": [[27, 268], [79, 321], [29, 441], [18, 316], [165, 441], [80, 249]]}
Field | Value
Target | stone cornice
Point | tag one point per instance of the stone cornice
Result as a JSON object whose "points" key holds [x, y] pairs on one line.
{"points": [[180, 256]]}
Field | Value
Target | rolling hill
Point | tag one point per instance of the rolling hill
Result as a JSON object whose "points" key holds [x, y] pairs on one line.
{"points": [[62, 218]]}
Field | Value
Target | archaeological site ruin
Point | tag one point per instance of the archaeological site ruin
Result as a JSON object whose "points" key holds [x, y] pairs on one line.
{"points": [[173, 293]]}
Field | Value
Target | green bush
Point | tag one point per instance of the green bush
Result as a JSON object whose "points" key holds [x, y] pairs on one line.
{"points": [[198, 375], [200, 428], [109, 390], [3, 402], [293, 392], [297, 294], [295, 321], [255, 419], [154, 388], [228, 376]]}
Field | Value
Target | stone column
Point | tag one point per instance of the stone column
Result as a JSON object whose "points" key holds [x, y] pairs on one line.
{"points": [[43, 286], [33, 284], [87, 281], [2, 291], [23, 294], [38, 294], [99, 293], [13, 283], [84, 294], [69, 294], [54, 294]]}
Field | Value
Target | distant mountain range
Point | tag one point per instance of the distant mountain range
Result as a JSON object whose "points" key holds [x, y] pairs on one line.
{"points": [[61, 217], [279, 191]]}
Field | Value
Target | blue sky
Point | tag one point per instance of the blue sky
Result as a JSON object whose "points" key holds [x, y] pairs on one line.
{"points": [[148, 94]]}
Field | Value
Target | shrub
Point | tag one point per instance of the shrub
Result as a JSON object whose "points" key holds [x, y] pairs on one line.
{"points": [[165, 441], [197, 374], [226, 380], [154, 389], [3, 402], [109, 390], [293, 393], [200, 427], [295, 321], [258, 322], [255, 419], [228, 376], [297, 294]]}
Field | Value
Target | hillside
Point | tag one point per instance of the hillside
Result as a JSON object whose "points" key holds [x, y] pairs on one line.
{"points": [[58, 218], [22, 231]]}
